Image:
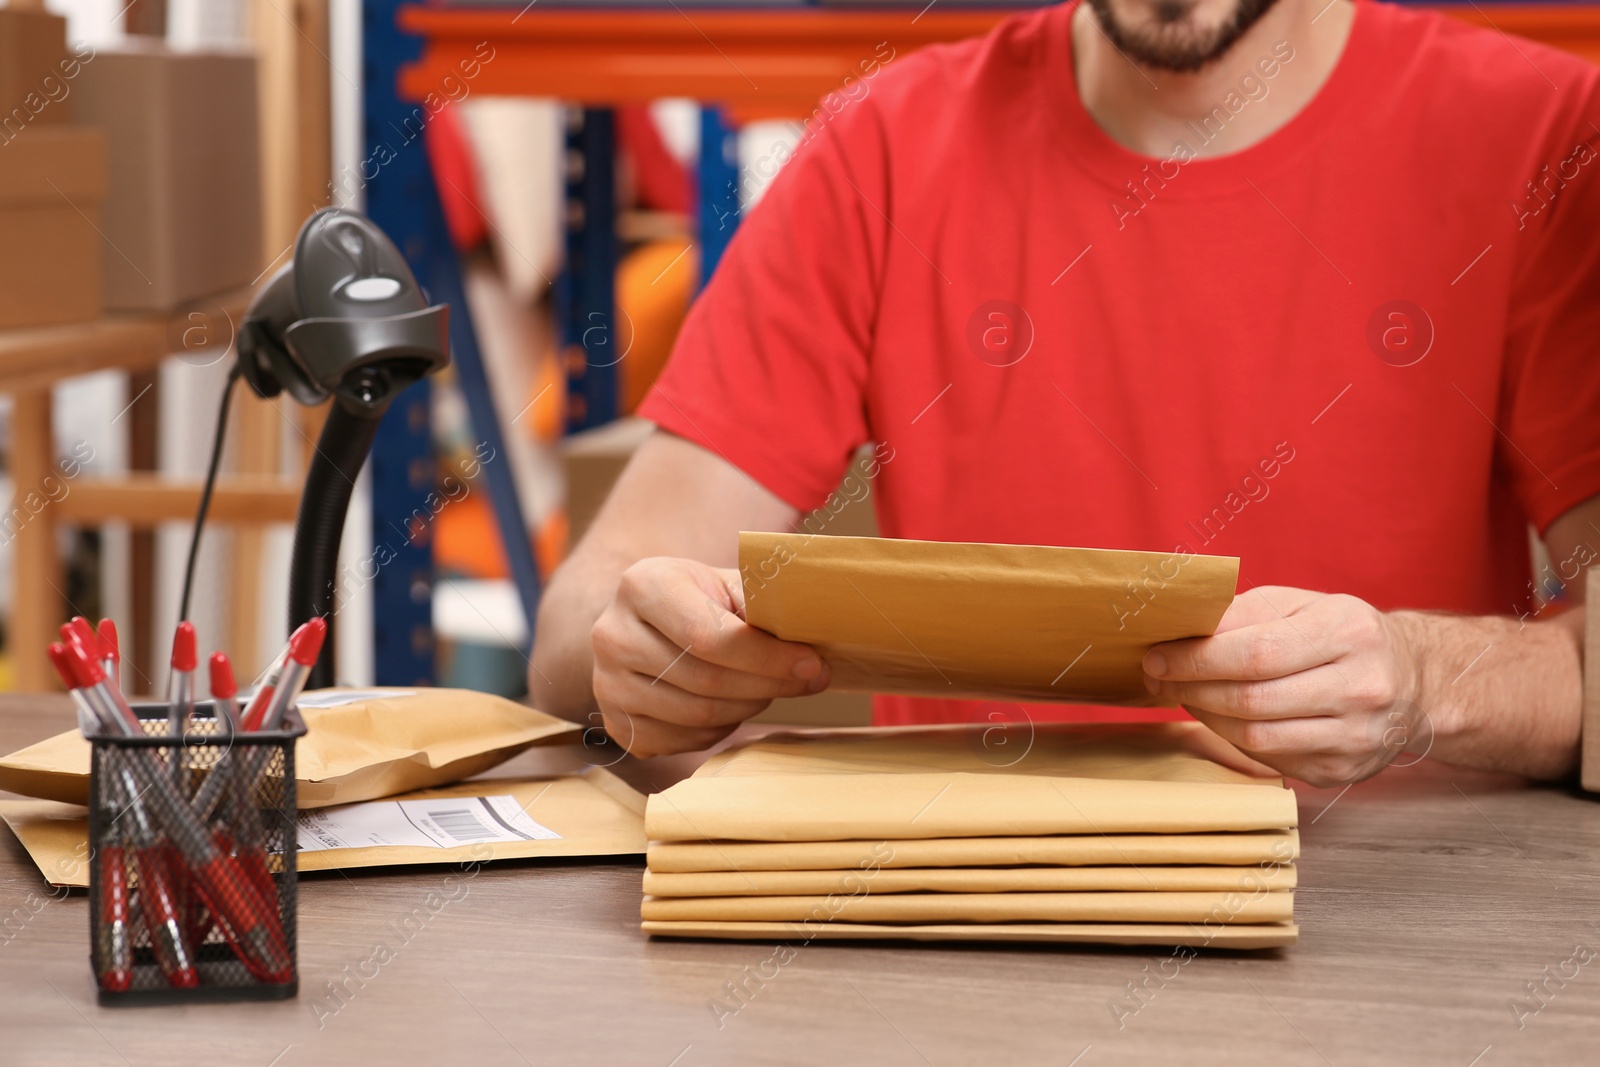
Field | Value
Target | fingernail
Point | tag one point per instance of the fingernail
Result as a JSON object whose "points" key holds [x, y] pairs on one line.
{"points": [[1155, 664], [817, 684], [1151, 684], [808, 667]]}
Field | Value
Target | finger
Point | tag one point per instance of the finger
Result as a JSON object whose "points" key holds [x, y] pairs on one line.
{"points": [[1274, 739], [1315, 692], [691, 618], [1210, 745], [1267, 650], [635, 645], [645, 737], [663, 700], [1264, 603]]}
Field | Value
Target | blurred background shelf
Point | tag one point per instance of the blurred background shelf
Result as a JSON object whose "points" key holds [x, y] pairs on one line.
{"points": [[31, 362], [34, 357]]}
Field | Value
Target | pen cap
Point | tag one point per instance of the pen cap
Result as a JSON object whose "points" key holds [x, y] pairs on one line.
{"points": [[305, 644], [61, 659], [78, 633], [83, 662], [223, 685], [110, 646], [185, 654]]}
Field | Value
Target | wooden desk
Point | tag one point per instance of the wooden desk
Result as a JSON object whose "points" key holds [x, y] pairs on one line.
{"points": [[1427, 898]]}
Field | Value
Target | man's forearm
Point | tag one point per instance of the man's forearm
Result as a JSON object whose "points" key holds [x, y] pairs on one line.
{"points": [[675, 499], [560, 678], [1501, 693]]}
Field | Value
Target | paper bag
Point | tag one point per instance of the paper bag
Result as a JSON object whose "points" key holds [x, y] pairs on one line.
{"points": [[1130, 879], [1234, 850], [1231, 907], [934, 782], [1165, 751], [594, 813], [974, 620], [1242, 936], [359, 745]]}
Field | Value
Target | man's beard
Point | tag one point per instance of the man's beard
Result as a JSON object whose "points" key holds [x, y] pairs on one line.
{"points": [[1170, 43]]}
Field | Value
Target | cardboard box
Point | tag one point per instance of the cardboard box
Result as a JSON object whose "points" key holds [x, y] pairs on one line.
{"points": [[33, 62], [183, 214], [52, 181]]}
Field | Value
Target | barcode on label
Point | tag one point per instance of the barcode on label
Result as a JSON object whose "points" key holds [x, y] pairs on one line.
{"points": [[462, 824]]}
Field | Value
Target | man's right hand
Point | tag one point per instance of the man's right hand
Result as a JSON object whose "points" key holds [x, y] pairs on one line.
{"points": [[676, 667]]}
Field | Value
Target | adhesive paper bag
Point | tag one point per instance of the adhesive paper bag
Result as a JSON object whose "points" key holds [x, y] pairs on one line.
{"points": [[1231, 907], [1127, 879], [359, 745], [1240, 936], [1234, 850], [943, 781], [591, 813], [945, 619]]}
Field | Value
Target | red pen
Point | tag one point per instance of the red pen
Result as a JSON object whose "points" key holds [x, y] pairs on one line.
{"points": [[115, 932], [265, 685], [157, 900], [224, 689], [163, 917], [77, 632], [116, 939], [245, 839], [180, 684], [256, 710], [110, 651], [283, 685], [180, 715], [224, 695], [284, 682], [305, 644]]}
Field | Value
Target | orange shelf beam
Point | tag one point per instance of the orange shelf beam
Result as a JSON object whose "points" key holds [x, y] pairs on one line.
{"points": [[760, 64]]}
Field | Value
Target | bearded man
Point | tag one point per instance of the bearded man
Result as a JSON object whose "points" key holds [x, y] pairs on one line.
{"points": [[1313, 283]]}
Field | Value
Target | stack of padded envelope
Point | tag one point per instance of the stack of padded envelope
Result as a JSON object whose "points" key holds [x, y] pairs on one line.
{"points": [[1122, 834]]}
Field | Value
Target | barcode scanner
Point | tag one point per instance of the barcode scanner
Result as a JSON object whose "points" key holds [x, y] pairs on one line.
{"points": [[345, 319]]}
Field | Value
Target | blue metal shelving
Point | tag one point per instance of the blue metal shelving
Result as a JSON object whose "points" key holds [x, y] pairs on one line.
{"points": [[401, 197]]}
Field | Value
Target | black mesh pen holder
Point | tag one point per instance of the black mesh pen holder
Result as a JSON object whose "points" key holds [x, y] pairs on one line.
{"points": [[192, 860]]}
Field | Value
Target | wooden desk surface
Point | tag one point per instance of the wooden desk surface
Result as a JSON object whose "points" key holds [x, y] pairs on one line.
{"points": [[1428, 898]]}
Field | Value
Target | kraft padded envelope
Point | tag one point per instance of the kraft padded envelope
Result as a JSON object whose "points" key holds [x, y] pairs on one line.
{"points": [[1239, 849], [1243, 906], [367, 748], [970, 880], [1168, 751], [976, 620], [595, 812], [1240, 937], [937, 782]]}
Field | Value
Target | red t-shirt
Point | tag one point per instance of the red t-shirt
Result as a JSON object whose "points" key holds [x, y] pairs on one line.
{"points": [[1360, 354]]}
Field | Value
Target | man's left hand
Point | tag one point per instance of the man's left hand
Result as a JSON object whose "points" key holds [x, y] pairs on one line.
{"points": [[1321, 687]]}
